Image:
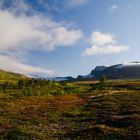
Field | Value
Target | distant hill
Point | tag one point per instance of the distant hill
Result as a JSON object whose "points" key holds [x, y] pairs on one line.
{"points": [[4, 75], [120, 71], [123, 71]]}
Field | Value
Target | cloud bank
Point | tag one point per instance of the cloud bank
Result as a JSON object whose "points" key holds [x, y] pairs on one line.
{"points": [[37, 32], [103, 43], [21, 33], [9, 63]]}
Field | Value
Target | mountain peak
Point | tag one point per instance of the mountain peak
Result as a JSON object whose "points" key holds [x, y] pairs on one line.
{"points": [[99, 68]]}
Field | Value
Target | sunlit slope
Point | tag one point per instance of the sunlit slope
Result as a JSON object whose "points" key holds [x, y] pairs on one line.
{"points": [[4, 75]]}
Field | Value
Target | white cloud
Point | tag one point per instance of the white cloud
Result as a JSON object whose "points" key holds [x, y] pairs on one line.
{"points": [[20, 33], [113, 8], [38, 33], [103, 43], [75, 3], [108, 49], [9, 63], [102, 38]]}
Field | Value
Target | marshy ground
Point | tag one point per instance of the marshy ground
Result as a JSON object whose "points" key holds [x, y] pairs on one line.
{"points": [[88, 115]]}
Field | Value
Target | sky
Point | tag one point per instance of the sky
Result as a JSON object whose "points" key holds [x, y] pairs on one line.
{"points": [[67, 37]]}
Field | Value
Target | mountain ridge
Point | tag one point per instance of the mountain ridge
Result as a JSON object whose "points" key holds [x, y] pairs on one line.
{"points": [[129, 70]]}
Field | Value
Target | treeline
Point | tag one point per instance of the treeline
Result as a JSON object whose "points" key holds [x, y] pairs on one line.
{"points": [[35, 87]]}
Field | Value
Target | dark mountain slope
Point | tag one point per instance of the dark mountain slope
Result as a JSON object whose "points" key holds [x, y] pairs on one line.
{"points": [[120, 71]]}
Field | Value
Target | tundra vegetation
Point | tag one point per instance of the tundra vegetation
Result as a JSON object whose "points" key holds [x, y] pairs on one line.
{"points": [[41, 109]]}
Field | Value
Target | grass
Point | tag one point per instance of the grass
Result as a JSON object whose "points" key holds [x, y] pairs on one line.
{"points": [[77, 116]]}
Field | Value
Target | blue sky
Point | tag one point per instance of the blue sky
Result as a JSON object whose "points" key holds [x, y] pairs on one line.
{"points": [[60, 38]]}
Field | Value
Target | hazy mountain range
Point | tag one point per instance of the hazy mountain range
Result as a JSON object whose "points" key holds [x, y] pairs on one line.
{"points": [[129, 70]]}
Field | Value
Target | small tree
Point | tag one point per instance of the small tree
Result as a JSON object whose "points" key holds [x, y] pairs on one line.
{"points": [[20, 84], [102, 83]]}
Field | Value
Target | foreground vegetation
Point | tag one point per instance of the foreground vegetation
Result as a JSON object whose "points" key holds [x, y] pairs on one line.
{"points": [[39, 109]]}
